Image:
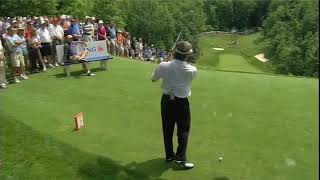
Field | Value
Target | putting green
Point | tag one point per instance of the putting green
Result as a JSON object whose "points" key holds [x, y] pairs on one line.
{"points": [[233, 62]]}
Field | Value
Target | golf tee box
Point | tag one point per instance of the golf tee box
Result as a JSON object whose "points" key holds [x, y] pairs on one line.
{"points": [[78, 118]]}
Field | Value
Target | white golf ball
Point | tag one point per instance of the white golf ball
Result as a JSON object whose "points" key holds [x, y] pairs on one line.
{"points": [[220, 158]]}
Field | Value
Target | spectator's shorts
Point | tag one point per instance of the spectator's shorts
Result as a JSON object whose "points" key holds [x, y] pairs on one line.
{"points": [[17, 59], [46, 49]]}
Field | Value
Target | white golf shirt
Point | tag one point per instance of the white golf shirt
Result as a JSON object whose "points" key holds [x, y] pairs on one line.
{"points": [[56, 31], [44, 35], [177, 76]]}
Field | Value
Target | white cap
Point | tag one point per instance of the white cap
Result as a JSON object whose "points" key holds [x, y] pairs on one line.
{"points": [[100, 22], [87, 17], [93, 18], [63, 16]]}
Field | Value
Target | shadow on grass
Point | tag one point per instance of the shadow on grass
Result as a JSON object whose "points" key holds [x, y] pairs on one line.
{"points": [[26, 153], [221, 178], [78, 73], [103, 168]]}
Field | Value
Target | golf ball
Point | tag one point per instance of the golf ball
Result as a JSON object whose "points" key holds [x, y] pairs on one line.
{"points": [[220, 159]]}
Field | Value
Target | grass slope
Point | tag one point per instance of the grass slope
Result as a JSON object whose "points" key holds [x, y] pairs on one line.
{"points": [[247, 49], [265, 127]]}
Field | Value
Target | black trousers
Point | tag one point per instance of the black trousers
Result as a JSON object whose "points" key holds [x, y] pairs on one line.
{"points": [[173, 112]]}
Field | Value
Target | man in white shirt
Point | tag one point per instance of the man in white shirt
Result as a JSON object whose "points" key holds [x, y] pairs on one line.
{"points": [[176, 78], [46, 41], [57, 36]]}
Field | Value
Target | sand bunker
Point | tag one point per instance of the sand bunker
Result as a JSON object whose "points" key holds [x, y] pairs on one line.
{"points": [[218, 49], [261, 57]]}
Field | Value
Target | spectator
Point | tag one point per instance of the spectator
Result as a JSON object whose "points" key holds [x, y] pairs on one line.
{"points": [[137, 50], [74, 30], [57, 36], [102, 32], [46, 41], [71, 54], [162, 56], [140, 49], [153, 51], [95, 27], [129, 52], [111, 31], [15, 47], [88, 31], [120, 43], [23, 45], [65, 24], [148, 53], [27, 32], [3, 81], [36, 60]]}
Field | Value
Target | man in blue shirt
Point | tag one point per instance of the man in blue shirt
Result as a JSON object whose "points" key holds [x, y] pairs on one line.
{"points": [[112, 36], [74, 30], [14, 43]]}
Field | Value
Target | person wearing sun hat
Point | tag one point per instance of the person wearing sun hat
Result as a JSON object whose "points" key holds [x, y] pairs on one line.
{"points": [[176, 76]]}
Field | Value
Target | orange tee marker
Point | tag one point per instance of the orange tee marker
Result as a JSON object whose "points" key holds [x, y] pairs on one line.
{"points": [[79, 120]]}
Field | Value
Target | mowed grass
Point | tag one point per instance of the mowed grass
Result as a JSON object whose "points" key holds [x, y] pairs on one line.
{"points": [[230, 61], [243, 54], [264, 127]]}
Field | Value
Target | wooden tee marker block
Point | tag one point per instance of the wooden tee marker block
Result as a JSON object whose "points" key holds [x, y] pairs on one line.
{"points": [[78, 118]]}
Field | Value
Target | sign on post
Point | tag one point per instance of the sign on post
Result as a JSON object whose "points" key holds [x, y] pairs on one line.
{"points": [[97, 50], [79, 120]]}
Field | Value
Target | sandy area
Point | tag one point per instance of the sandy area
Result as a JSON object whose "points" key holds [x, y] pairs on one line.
{"points": [[261, 57], [218, 49]]}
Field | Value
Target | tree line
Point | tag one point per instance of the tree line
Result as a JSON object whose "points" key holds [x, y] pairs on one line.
{"points": [[290, 27]]}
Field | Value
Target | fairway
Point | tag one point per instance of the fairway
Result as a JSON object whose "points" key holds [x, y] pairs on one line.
{"points": [[238, 58], [231, 62], [264, 126]]}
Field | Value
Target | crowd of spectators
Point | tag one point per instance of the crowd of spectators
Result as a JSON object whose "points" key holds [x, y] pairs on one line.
{"points": [[28, 44]]}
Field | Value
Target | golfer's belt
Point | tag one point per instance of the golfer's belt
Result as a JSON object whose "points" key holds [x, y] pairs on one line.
{"points": [[171, 96]]}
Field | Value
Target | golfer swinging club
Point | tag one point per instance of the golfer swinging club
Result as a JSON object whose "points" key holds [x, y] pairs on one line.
{"points": [[176, 86]]}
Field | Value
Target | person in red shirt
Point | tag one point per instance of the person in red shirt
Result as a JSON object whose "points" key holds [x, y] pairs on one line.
{"points": [[102, 32], [27, 32]]}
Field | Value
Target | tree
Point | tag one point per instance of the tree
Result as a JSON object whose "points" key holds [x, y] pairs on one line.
{"points": [[291, 31], [27, 7], [108, 10], [76, 8]]}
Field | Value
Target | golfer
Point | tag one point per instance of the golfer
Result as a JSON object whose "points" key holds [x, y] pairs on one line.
{"points": [[176, 87]]}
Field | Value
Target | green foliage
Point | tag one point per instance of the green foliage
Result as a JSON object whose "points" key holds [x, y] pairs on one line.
{"points": [[241, 14], [111, 10], [291, 32], [27, 7], [77, 8], [154, 24]]}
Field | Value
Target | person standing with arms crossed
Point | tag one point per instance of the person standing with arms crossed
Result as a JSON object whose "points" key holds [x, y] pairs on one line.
{"points": [[176, 86]]}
